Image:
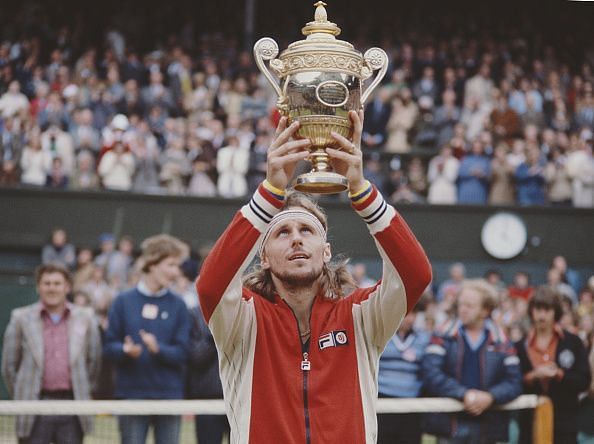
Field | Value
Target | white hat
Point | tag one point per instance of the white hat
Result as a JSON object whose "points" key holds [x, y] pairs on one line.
{"points": [[70, 91], [120, 122]]}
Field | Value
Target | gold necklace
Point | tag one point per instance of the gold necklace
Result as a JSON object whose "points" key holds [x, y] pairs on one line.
{"points": [[305, 333]]}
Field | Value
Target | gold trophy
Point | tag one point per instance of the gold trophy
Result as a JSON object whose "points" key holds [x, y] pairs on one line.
{"points": [[320, 80]]}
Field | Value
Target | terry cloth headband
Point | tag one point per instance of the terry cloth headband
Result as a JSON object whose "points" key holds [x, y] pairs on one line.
{"points": [[293, 213]]}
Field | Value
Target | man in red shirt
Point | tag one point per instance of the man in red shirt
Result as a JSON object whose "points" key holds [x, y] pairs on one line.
{"points": [[52, 350], [298, 354], [520, 287]]}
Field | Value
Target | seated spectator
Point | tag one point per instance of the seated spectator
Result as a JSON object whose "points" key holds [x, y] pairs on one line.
{"points": [[402, 120], [258, 153], [442, 176], [106, 249], [580, 167], [84, 135], [426, 85], [201, 183], [175, 167], [399, 376], [118, 130], [59, 251], [530, 179], [232, 166], [473, 362], [156, 94], [116, 168], [377, 115], [119, 264], [554, 363], [586, 304], [584, 117], [494, 278], [84, 176], [59, 144], [146, 153], [372, 169], [35, 162], [480, 86], [457, 273], [557, 179], [425, 132], [417, 179], [517, 155], [359, 272], [555, 281], [201, 97], [185, 285], [84, 268], [81, 299], [474, 175], [502, 186], [520, 287], [568, 274], [503, 120], [13, 103], [56, 177], [12, 142], [475, 115], [446, 117]]}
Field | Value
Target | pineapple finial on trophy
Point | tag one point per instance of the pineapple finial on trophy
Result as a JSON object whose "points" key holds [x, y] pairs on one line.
{"points": [[321, 15]]}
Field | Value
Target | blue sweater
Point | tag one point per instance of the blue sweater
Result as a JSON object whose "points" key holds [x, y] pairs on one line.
{"points": [[159, 376], [471, 365], [400, 366]]}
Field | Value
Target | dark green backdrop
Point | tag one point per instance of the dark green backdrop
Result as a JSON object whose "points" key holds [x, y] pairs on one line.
{"points": [[448, 233]]}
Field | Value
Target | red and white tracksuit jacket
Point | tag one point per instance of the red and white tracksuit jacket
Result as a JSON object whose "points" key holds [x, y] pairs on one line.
{"points": [[269, 398]]}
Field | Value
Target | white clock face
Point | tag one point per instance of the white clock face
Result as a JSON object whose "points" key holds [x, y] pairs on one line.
{"points": [[504, 235]]}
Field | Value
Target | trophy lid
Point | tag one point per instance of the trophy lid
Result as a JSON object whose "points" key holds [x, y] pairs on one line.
{"points": [[321, 50], [320, 23]]}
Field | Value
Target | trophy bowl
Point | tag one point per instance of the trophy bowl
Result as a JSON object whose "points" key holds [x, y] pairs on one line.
{"points": [[320, 80]]}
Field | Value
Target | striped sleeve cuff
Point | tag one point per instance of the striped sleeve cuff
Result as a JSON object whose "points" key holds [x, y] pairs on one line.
{"points": [[361, 195], [262, 207], [374, 210]]}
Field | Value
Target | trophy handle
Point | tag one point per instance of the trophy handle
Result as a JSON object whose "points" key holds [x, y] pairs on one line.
{"points": [[267, 49], [375, 58]]}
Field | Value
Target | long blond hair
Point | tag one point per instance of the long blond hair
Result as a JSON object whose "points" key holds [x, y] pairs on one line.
{"points": [[336, 280]]}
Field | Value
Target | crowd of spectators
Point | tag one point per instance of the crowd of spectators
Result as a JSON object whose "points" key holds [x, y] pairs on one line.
{"points": [[102, 272], [455, 121]]}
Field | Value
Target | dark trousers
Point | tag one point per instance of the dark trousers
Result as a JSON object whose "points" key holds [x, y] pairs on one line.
{"points": [[211, 428], [404, 428], [55, 429], [134, 428]]}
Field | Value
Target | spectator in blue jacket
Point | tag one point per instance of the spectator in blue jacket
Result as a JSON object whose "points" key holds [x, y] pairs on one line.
{"points": [[530, 179], [147, 339], [474, 175], [473, 362], [400, 377]]}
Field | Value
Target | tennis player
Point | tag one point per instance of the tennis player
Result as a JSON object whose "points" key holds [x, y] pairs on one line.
{"points": [[298, 356]]}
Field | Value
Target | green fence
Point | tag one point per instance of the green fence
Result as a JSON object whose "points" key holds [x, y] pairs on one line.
{"points": [[15, 291]]}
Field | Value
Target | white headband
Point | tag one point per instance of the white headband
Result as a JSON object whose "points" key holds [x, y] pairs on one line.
{"points": [[292, 213]]}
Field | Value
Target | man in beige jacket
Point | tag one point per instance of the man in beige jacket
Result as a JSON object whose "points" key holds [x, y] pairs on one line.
{"points": [[52, 350]]}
